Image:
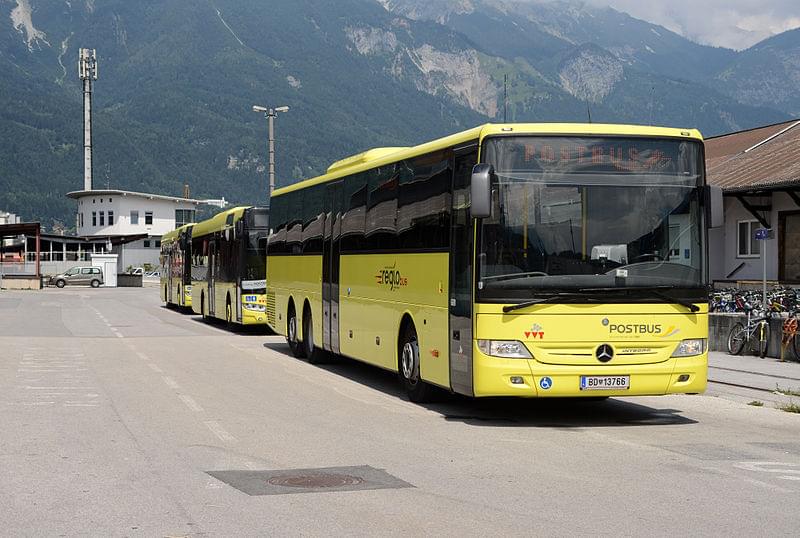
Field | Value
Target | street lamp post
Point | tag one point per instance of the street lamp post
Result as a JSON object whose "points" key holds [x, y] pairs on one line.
{"points": [[270, 114]]}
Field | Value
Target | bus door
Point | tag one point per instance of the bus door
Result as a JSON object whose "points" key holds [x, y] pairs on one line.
{"points": [[330, 267], [461, 239], [168, 268], [212, 276]]}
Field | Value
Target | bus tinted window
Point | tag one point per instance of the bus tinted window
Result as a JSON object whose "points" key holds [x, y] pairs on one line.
{"points": [[423, 216], [355, 200], [294, 214], [313, 220], [381, 230], [277, 240]]}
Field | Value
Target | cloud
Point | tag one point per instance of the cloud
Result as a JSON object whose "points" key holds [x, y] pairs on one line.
{"points": [[736, 24]]}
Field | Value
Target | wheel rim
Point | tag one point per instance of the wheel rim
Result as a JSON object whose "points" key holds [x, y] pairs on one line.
{"points": [[408, 363]]}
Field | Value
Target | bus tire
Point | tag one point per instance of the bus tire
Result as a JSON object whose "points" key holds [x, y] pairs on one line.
{"points": [[315, 354], [408, 357], [291, 333]]}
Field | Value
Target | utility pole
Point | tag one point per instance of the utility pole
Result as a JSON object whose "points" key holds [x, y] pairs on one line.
{"points": [[87, 72], [270, 114]]}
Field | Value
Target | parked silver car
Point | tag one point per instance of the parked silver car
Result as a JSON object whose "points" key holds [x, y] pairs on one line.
{"points": [[87, 276]]}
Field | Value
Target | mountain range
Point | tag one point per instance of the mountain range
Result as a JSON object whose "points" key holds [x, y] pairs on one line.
{"points": [[178, 79]]}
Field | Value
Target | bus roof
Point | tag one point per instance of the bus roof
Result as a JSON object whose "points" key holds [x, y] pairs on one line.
{"points": [[173, 235], [381, 156], [218, 222]]}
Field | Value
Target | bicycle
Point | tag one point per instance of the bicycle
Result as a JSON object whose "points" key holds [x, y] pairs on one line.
{"points": [[790, 334], [756, 328]]}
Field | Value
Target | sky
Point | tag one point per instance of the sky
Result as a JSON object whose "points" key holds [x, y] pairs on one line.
{"points": [[736, 24]]}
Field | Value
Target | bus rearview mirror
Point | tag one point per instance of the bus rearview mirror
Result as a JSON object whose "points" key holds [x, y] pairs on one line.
{"points": [[481, 191], [715, 212]]}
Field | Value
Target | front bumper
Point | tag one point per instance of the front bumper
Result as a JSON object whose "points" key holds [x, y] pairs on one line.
{"points": [[492, 377]]}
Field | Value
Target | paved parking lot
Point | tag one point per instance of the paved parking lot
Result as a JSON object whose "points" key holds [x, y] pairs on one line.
{"points": [[121, 417]]}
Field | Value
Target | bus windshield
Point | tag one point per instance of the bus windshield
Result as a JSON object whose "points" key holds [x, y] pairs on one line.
{"points": [[591, 214]]}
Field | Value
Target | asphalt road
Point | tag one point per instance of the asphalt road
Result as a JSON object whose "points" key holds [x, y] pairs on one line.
{"points": [[116, 409]]}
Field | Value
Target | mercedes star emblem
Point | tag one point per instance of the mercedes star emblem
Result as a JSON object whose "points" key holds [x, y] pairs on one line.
{"points": [[604, 353]]}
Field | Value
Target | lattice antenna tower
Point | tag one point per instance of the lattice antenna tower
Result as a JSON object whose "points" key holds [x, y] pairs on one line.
{"points": [[87, 72]]}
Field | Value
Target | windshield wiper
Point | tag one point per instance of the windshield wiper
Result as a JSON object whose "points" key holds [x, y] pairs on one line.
{"points": [[562, 297], [653, 291]]}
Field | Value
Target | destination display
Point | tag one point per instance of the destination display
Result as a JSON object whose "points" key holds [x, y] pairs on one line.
{"points": [[593, 155]]}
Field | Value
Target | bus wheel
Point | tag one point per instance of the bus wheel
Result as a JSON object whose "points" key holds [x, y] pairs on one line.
{"points": [[291, 334], [417, 390], [315, 355]]}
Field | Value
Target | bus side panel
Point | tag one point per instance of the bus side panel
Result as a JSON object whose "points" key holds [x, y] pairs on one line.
{"points": [[163, 283], [223, 290], [298, 277], [199, 288], [376, 290]]}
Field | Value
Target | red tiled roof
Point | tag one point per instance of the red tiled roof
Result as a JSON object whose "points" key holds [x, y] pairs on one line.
{"points": [[763, 158]]}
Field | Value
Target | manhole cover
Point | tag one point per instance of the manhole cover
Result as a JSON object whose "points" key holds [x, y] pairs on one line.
{"points": [[324, 479], [318, 480]]}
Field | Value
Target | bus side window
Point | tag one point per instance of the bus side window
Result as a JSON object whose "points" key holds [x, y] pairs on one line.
{"points": [[313, 220], [355, 200], [294, 217], [381, 227], [277, 216], [423, 215]]}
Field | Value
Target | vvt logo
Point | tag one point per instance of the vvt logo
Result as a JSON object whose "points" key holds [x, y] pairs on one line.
{"points": [[390, 276]]}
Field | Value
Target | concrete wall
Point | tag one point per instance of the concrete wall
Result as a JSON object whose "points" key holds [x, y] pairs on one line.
{"points": [[21, 283], [719, 326]]}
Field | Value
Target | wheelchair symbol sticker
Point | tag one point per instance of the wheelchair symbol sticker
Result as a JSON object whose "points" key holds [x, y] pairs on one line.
{"points": [[545, 383]]}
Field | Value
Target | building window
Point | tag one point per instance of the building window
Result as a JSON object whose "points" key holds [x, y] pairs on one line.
{"points": [[158, 243], [110, 200], [102, 218], [93, 200], [135, 218], [146, 243], [94, 218], [183, 216], [748, 246], [111, 218], [81, 220], [148, 218]]}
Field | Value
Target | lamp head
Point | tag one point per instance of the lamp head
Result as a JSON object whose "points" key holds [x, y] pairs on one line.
{"points": [[257, 108], [282, 109]]}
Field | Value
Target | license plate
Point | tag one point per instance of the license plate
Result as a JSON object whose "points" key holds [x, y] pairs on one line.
{"points": [[605, 382]]}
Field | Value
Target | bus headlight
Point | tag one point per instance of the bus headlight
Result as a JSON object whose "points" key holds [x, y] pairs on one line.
{"points": [[254, 307], [690, 347], [506, 349]]}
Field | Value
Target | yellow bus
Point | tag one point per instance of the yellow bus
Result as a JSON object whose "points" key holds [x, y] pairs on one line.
{"points": [[176, 282], [228, 266], [507, 260]]}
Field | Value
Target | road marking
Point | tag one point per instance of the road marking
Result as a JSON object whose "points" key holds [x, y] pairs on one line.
{"points": [[790, 471], [190, 403], [29, 387], [171, 383], [155, 368], [219, 431]]}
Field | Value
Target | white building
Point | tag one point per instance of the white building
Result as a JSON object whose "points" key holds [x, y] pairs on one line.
{"points": [[116, 214], [759, 173]]}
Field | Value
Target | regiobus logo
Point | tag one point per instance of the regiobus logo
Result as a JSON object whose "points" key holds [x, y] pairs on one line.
{"points": [[390, 276]]}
